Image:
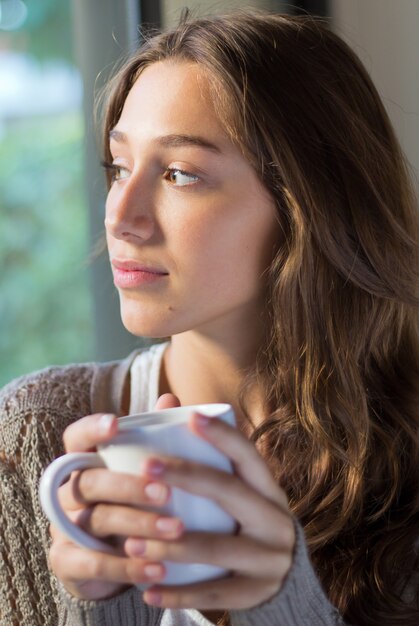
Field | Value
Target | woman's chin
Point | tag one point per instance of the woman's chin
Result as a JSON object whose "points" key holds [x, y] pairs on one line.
{"points": [[141, 326], [148, 331]]}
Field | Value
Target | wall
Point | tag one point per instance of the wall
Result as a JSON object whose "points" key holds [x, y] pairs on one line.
{"points": [[385, 35], [170, 9]]}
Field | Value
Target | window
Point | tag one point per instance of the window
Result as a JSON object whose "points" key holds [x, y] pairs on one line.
{"points": [[45, 305]]}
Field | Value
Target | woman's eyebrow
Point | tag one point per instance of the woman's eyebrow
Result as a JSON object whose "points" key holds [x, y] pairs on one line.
{"points": [[118, 136], [172, 140], [187, 140]]}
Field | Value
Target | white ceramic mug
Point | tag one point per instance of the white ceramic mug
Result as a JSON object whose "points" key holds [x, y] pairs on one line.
{"points": [[140, 436]]}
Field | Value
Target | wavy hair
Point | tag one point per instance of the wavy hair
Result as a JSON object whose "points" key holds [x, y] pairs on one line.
{"points": [[340, 369]]}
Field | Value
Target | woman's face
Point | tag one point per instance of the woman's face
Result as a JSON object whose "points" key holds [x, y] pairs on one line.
{"points": [[190, 228]]}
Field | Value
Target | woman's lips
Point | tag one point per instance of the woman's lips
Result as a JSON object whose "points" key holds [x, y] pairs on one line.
{"points": [[129, 274]]}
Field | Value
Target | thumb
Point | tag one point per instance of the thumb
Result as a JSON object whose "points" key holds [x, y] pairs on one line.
{"points": [[167, 401]]}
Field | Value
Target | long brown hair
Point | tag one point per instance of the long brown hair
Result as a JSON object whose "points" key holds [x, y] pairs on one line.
{"points": [[340, 370]]}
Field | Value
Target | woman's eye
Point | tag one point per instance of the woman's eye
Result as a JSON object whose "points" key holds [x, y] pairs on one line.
{"points": [[179, 177], [117, 171]]}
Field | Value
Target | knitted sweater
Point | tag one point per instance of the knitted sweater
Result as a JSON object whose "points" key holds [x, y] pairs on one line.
{"points": [[34, 411]]}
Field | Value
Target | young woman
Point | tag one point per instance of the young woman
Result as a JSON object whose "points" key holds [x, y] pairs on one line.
{"points": [[260, 215]]}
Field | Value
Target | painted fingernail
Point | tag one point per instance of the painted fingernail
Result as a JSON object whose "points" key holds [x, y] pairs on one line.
{"points": [[153, 597], [153, 570], [105, 423], [137, 547], [202, 420], [168, 524], [156, 491], [155, 467]]}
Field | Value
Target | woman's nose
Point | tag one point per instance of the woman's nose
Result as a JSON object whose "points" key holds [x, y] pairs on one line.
{"points": [[129, 213]]}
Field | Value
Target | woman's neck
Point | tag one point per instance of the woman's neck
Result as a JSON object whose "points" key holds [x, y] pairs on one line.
{"points": [[199, 370]]}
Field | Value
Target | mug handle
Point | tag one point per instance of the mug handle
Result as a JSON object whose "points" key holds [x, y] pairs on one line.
{"points": [[54, 475]]}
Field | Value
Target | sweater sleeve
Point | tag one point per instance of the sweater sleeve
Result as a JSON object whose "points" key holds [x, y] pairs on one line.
{"points": [[34, 411], [125, 609], [26, 585], [301, 600]]}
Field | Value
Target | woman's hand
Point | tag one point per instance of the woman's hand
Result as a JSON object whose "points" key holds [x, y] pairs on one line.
{"points": [[108, 506], [259, 556]]}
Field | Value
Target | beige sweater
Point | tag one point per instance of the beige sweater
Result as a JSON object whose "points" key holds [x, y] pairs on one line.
{"points": [[34, 411]]}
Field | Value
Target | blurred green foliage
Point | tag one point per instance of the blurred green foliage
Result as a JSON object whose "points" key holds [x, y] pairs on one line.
{"points": [[47, 29], [45, 314], [45, 300]]}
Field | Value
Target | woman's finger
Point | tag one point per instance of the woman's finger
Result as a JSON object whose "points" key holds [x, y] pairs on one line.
{"points": [[167, 401], [88, 432], [103, 485], [258, 517], [71, 563], [247, 461], [243, 555], [236, 592], [105, 520]]}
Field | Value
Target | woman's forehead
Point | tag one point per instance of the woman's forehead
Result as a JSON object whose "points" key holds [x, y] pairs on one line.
{"points": [[172, 98]]}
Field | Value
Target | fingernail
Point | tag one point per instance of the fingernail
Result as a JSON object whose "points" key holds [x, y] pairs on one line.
{"points": [[155, 467], [153, 597], [153, 570], [137, 547], [156, 491], [202, 420], [168, 524], [105, 423]]}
